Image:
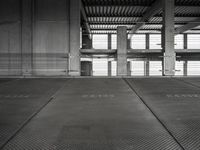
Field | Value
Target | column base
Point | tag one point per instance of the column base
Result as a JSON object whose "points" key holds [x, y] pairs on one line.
{"points": [[74, 73], [169, 65]]}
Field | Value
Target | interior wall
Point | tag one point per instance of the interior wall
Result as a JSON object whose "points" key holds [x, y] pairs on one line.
{"points": [[10, 37], [50, 37]]}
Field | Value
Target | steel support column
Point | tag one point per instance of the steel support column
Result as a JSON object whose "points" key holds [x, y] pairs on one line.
{"points": [[147, 41], [185, 68], [109, 68], [109, 41], [129, 68], [168, 38], [122, 51], [75, 18], [185, 40], [185, 63], [146, 68], [128, 43]]}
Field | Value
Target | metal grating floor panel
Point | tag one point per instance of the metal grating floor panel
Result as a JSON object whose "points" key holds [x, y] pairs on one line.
{"points": [[193, 81], [94, 114], [176, 104], [3, 81], [20, 99]]}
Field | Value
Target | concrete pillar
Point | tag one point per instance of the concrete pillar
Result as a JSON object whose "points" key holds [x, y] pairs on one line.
{"points": [[129, 68], [168, 38], [122, 51], [109, 41], [146, 68], [26, 37], [109, 68], [75, 18]]}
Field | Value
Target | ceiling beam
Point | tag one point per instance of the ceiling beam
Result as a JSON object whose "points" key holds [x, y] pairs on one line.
{"points": [[85, 20], [137, 5], [130, 23], [188, 26], [153, 10]]}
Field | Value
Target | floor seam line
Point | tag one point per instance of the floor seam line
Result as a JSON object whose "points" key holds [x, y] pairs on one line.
{"points": [[187, 83], [154, 114], [31, 117]]}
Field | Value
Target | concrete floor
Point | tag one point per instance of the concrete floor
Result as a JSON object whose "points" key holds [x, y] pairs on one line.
{"points": [[100, 114]]}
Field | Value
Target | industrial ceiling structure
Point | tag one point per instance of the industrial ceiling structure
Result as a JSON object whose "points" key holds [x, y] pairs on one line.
{"points": [[140, 16]]}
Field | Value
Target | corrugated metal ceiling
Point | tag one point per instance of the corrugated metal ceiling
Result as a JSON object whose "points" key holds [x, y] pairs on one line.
{"points": [[105, 15]]}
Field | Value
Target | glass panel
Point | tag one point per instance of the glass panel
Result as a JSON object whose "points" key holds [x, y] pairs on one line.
{"points": [[114, 41], [179, 41], [114, 68], [100, 41], [193, 68], [138, 41], [155, 41], [137, 68], [100, 67], [193, 41], [155, 68], [179, 68]]}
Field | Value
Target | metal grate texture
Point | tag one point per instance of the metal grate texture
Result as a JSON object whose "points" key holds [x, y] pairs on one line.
{"points": [[94, 114], [20, 99], [176, 104]]}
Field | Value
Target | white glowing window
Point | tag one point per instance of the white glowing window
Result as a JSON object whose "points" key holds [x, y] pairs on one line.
{"points": [[114, 68], [138, 41], [114, 41], [155, 68], [193, 41], [100, 67], [137, 68], [193, 68], [179, 68], [178, 41], [100, 41], [155, 41]]}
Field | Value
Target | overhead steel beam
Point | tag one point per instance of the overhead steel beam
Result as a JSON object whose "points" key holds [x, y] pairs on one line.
{"points": [[128, 23], [153, 10], [85, 20], [135, 51], [188, 26], [129, 4]]}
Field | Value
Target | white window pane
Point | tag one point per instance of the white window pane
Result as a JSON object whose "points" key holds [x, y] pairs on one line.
{"points": [[138, 41], [155, 41], [114, 41], [137, 68], [155, 68], [193, 41], [100, 67], [193, 68], [179, 41], [100, 41], [114, 68], [179, 68]]}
